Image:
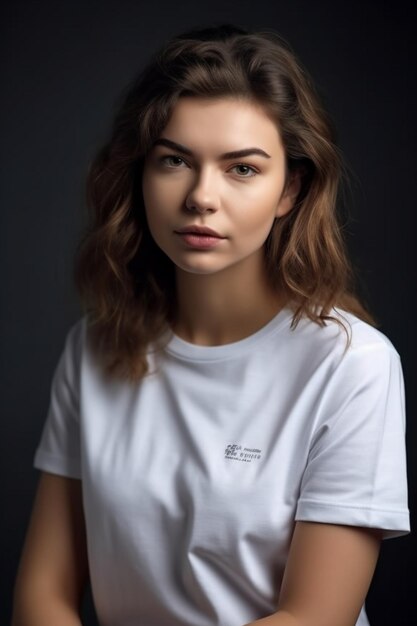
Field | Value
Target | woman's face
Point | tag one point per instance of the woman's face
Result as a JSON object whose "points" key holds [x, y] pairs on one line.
{"points": [[190, 181]]}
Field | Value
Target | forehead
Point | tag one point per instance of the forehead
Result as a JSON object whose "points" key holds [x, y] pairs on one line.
{"points": [[223, 123]]}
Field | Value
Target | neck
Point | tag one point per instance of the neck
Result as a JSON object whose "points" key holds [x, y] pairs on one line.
{"points": [[220, 308]]}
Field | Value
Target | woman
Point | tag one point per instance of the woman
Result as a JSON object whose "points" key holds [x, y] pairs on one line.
{"points": [[225, 439]]}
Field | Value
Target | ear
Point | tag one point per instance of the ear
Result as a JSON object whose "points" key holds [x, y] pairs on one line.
{"points": [[289, 195]]}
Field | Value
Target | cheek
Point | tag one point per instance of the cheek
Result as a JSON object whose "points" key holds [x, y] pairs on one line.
{"points": [[255, 232], [161, 196], [154, 204], [257, 212], [146, 190]]}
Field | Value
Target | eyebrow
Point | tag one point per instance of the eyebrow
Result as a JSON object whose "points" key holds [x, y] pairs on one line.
{"points": [[235, 154]]}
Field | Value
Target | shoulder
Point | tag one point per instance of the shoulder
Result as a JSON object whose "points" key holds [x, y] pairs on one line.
{"points": [[365, 365], [362, 334], [76, 337], [344, 334], [73, 349], [345, 350], [77, 332], [368, 347]]}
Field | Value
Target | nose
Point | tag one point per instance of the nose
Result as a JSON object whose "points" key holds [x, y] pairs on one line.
{"points": [[202, 196]]}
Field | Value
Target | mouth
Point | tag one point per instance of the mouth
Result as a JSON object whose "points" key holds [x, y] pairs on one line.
{"points": [[199, 231], [201, 239]]}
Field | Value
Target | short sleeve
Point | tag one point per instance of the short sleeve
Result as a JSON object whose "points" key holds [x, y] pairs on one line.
{"points": [[58, 451], [356, 469]]}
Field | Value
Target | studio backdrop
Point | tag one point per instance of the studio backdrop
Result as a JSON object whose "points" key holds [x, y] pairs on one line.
{"points": [[63, 65]]}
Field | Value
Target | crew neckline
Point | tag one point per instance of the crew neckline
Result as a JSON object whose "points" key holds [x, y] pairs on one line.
{"points": [[190, 351]]}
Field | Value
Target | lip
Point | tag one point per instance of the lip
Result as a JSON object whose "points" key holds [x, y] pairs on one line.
{"points": [[199, 237], [198, 230]]}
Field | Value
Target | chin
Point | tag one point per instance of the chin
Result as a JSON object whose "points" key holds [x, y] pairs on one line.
{"points": [[200, 271]]}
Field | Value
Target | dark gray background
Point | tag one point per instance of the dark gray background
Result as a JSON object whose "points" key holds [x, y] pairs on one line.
{"points": [[63, 65]]}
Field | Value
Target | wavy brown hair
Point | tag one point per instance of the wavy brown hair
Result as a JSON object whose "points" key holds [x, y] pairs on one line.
{"points": [[127, 284]]}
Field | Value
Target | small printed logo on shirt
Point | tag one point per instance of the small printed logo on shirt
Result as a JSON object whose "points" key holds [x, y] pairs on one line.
{"points": [[239, 453]]}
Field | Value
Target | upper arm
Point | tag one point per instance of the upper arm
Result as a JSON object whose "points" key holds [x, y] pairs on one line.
{"points": [[54, 558], [356, 467], [328, 573]]}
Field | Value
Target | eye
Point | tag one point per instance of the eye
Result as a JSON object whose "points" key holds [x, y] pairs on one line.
{"points": [[172, 160], [245, 171]]}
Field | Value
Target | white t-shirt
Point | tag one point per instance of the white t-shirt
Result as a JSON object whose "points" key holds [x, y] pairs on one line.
{"points": [[193, 478]]}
